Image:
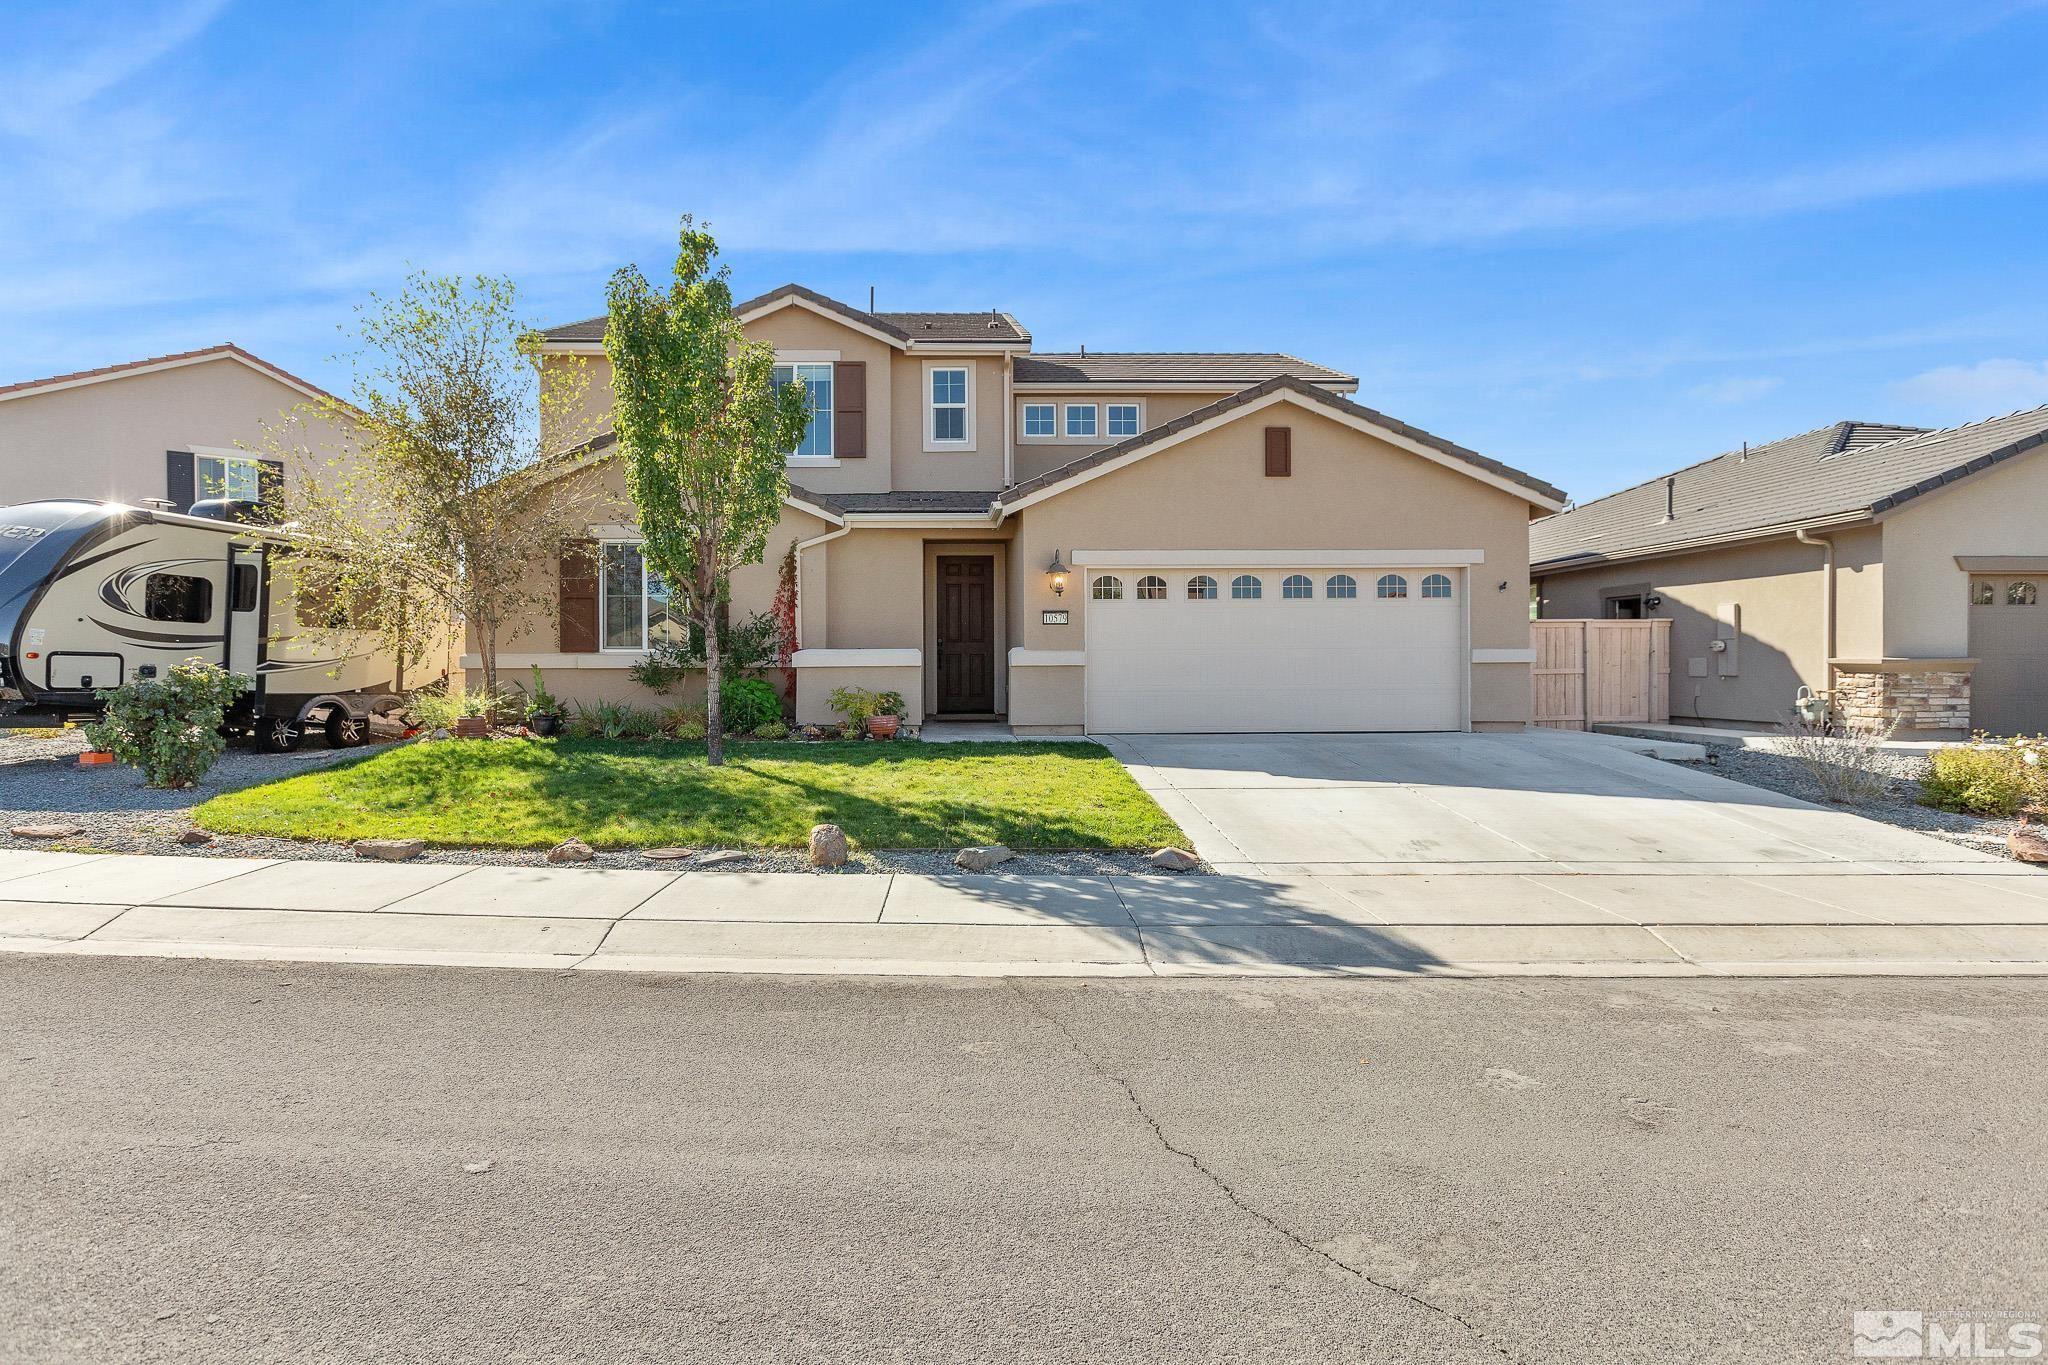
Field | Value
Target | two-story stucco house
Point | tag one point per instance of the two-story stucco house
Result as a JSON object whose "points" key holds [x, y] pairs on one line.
{"points": [[174, 429], [1097, 542]]}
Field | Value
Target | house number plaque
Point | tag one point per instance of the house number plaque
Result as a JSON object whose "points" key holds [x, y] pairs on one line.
{"points": [[1052, 618]]}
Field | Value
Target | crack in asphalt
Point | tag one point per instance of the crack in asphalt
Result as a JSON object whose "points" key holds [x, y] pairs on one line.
{"points": [[1230, 1193]]}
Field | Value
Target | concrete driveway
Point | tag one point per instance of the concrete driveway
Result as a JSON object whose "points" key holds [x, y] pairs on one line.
{"points": [[1541, 802]]}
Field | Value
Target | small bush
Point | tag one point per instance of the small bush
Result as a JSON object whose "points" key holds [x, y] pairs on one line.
{"points": [[99, 735], [440, 706], [746, 704], [1988, 778], [859, 705], [1849, 768], [683, 722], [774, 729], [614, 720], [170, 726]]}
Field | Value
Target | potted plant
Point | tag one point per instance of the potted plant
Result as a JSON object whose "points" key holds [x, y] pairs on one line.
{"points": [[875, 714], [888, 716], [99, 744], [544, 714]]}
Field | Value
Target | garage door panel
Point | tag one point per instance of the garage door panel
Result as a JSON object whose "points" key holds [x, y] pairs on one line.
{"points": [[1317, 664]]}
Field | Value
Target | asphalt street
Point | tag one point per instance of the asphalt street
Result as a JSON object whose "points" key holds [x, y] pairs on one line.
{"points": [[216, 1161]]}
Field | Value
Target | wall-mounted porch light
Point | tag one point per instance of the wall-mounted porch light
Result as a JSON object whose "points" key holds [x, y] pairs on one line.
{"points": [[1056, 574]]}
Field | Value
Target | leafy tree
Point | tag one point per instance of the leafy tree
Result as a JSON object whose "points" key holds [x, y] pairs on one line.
{"points": [[703, 431], [456, 491]]}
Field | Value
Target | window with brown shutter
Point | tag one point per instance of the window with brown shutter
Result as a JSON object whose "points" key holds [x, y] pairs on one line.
{"points": [[850, 409], [577, 618], [1279, 452]]}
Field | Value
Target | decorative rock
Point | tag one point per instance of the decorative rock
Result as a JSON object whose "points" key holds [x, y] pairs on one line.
{"points": [[46, 831], [438, 734], [828, 846], [2028, 843], [981, 859], [570, 851], [720, 857], [194, 837], [811, 732], [1174, 860], [390, 850], [667, 855]]}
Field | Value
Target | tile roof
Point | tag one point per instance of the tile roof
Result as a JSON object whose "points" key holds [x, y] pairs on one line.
{"points": [[1226, 368], [1304, 388], [227, 348], [952, 503], [980, 326], [1843, 470]]}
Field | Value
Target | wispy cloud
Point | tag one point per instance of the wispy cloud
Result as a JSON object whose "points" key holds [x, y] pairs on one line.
{"points": [[1979, 390], [1737, 388]]}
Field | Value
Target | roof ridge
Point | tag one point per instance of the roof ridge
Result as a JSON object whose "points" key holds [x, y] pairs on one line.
{"points": [[224, 348]]}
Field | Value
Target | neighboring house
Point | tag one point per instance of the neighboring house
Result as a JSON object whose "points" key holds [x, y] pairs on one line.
{"points": [[1902, 568], [1091, 542], [174, 428]]}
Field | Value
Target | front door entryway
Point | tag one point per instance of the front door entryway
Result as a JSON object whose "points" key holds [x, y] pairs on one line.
{"points": [[966, 635]]}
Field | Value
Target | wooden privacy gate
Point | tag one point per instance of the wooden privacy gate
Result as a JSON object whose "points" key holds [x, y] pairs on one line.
{"points": [[1592, 673]]}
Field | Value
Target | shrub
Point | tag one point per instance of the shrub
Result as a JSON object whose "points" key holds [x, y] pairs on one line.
{"points": [[1848, 767], [858, 705], [744, 647], [683, 722], [774, 729], [541, 702], [748, 704], [440, 706], [170, 726], [99, 735], [614, 720], [1988, 777]]}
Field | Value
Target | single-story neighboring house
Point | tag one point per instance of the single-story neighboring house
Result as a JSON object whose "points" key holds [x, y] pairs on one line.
{"points": [[1093, 542], [1902, 569], [170, 430]]}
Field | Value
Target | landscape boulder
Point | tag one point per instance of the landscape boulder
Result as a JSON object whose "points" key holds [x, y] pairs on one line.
{"points": [[828, 846], [666, 855], [46, 831], [390, 850], [195, 836], [1174, 860], [720, 857], [570, 851], [2028, 843], [981, 859]]}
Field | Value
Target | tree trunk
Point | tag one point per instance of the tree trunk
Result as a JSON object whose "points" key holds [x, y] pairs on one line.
{"points": [[714, 675]]}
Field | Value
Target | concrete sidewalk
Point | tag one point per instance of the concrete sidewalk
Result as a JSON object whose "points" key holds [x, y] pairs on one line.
{"points": [[1828, 917]]}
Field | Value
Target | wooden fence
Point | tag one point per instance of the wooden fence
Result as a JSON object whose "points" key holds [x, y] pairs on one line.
{"points": [[1592, 673]]}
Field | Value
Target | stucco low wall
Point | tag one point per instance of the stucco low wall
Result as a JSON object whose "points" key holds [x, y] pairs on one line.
{"points": [[1047, 699], [1500, 696], [815, 685]]}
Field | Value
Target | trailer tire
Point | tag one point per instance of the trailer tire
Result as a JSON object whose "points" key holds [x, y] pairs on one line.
{"points": [[277, 735], [344, 730]]}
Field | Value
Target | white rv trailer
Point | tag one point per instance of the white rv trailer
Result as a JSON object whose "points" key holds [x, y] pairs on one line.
{"points": [[93, 594]]}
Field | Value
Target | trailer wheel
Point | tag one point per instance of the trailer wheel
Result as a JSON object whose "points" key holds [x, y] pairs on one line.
{"points": [[278, 735], [344, 731]]}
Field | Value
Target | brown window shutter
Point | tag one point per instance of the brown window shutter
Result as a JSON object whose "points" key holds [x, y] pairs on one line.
{"points": [[1279, 452], [850, 409], [577, 619]]}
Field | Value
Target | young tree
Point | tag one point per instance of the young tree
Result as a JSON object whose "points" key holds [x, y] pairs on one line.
{"points": [[703, 431], [458, 490]]}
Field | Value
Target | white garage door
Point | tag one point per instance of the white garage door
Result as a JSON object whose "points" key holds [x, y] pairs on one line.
{"points": [[1263, 649]]}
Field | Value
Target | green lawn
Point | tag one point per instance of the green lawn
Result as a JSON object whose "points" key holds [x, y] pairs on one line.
{"points": [[641, 795]]}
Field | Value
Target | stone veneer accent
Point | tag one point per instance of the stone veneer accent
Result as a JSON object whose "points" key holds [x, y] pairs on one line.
{"points": [[1871, 698]]}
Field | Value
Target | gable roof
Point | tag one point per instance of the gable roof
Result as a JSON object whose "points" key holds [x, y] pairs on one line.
{"points": [[1233, 369], [1285, 387], [1848, 470], [901, 328], [225, 351]]}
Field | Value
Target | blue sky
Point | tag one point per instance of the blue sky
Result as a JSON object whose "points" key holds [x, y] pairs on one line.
{"points": [[1594, 240]]}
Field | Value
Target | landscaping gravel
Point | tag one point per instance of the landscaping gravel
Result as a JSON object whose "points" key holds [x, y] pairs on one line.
{"points": [[1900, 804], [41, 783]]}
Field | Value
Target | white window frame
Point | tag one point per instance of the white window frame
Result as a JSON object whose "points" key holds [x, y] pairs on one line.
{"points": [[1307, 580], [1067, 410], [1024, 421], [793, 359], [931, 409], [604, 599], [1136, 403], [201, 454]]}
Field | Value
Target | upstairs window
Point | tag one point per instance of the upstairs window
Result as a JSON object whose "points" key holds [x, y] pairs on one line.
{"points": [[1040, 419], [817, 382], [949, 405], [1081, 420], [225, 476], [1123, 419]]}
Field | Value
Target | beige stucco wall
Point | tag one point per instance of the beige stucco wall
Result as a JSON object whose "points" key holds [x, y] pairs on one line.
{"points": [[800, 330], [814, 688], [1048, 699], [108, 440], [1778, 585], [949, 468], [2003, 511], [1348, 490], [1037, 454]]}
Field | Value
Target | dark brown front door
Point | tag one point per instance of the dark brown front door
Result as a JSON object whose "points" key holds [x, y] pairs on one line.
{"points": [[967, 634]]}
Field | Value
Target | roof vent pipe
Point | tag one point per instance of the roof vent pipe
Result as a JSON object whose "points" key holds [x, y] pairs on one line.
{"points": [[1084, 348], [1671, 498], [871, 298], [1745, 453]]}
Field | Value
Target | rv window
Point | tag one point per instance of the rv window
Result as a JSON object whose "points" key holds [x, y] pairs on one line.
{"points": [[176, 597], [245, 585]]}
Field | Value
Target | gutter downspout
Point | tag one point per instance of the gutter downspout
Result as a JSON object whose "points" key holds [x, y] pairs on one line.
{"points": [[1827, 602], [801, 546]]}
